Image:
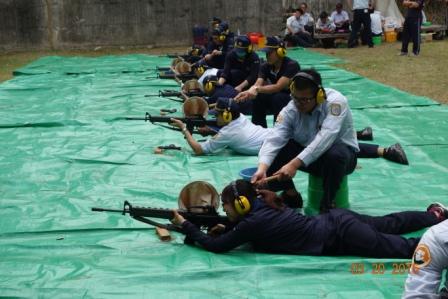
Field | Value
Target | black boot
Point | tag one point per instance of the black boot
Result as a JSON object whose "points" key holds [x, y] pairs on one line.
{"points": [[395, 153], [365, 134]]}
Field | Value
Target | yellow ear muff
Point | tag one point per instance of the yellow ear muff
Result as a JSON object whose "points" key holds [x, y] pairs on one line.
{"points": [[241, 203], [200, 70], [281, 52], [209, 86], [227, 114], [222, 37], [292, 86], [250, 48], [320, 95]]}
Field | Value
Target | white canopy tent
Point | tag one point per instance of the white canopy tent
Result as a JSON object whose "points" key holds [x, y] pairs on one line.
{"points": [[389, 10]]}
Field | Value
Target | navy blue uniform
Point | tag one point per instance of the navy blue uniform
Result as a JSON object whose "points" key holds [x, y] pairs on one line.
{"points": [[411, 28], [236, 71], [218, 60], [227, 91], [339, 232], [274, 102]]}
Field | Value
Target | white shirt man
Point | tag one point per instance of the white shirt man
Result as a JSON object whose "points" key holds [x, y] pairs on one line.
{"points": [[294, 25], [377, 23], [339, 17], [240, 135]]}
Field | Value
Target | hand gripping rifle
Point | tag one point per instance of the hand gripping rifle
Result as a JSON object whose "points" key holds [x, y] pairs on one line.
{"points": [[204, 217], [190, 122]]}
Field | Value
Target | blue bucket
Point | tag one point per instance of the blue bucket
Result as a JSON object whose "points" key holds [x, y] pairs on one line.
{"points": [[247, 173]]}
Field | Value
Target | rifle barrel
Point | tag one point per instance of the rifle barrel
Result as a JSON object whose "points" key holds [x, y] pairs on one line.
{"points": [[106, 210]]}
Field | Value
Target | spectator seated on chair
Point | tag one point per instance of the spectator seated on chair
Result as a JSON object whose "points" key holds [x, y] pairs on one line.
{"points": [[340, 19], [295, 32], [325, 26]]}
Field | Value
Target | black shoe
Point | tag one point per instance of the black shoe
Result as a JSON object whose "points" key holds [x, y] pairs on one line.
{"points": [[365, 134], [439, 210], [395, 153], [292, 201]]}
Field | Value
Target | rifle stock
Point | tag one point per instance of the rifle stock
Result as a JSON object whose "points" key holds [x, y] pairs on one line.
{"points": [[206, 218]]}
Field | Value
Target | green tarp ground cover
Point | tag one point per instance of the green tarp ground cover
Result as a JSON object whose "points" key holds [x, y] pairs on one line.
{"points": [[65, 147]]}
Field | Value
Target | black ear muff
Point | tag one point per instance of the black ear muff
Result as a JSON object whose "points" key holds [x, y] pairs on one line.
{"points": [[241, 203], [227, 114]]}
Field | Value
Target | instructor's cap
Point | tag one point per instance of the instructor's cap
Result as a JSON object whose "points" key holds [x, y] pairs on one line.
{"points": [[272, 43], [223, 104], [242, 43]]}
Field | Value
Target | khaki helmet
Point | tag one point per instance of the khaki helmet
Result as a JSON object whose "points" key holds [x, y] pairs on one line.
{"points": [[198, 194], [191, 85], [182, 68], [195, 106], [176, 61]]}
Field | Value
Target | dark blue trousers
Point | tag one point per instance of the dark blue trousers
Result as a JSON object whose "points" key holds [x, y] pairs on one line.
{"points": [[367, 150], [362, 235], [265, 104], [338, 161], [411, 31]]}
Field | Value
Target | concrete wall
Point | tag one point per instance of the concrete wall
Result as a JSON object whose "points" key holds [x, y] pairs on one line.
{"points": [[23, 24], [30, 24]]}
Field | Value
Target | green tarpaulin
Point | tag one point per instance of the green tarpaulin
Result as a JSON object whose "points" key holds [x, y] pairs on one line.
{"points": [[65, 147]]}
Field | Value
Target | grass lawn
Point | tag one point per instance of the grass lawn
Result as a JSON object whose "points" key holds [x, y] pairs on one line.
{"points": [[425, 75]]}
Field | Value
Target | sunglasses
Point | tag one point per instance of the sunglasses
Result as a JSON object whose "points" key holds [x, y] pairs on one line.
{"points": [[302, 100]]}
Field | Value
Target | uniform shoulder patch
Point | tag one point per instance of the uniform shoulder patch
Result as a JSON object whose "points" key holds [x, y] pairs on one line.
{"points": [[279, 119], [421, 257], [335, 109]]}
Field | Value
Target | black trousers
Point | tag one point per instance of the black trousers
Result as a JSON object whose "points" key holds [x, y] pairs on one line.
{"points": [[300, 39], [236, 77], [367, 150], [338, 161], [265, 104], [362, 235], [361, 16], [411, 31]]}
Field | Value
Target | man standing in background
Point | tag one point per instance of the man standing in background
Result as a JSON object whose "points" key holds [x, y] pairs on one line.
{"points": [[361, 15], [411, 26]]}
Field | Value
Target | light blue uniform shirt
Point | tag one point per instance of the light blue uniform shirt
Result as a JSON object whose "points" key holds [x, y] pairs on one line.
{"points": [[429, 261], [240, 135], [329, 123]]}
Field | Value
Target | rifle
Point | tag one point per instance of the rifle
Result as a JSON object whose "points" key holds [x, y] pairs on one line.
{"points": [[191, 122], [166, 93], [204, 217], [172, 75]]}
